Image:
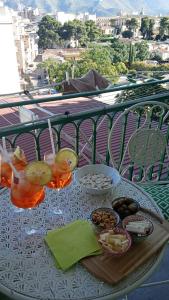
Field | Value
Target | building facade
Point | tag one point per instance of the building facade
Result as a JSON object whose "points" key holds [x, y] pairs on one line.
{"points": [[63, 17], [9, 73]]}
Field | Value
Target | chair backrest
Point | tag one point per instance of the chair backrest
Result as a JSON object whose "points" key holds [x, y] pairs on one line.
{"points": [[138, 142]]}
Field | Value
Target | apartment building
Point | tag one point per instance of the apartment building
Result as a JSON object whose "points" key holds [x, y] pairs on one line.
{"points": [[9, 73], [104, 23], [26, 41], [63, 17]]}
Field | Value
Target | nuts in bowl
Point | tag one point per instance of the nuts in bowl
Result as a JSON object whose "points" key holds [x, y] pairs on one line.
{"points": [[115, 241], [104, 218], [97, 179], [125, 206]]}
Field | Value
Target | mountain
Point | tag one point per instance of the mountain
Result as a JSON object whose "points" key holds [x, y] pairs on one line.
{"points": [[100, 7]]}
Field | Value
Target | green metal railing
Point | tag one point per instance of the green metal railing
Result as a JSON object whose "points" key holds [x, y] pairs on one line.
{"points": [[71, 130]]}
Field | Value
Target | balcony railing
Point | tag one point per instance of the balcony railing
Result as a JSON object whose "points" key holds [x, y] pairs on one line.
{"points": [[86, 131]]}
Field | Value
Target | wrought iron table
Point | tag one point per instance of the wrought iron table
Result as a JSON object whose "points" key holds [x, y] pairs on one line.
{"points": [[27, 269]]}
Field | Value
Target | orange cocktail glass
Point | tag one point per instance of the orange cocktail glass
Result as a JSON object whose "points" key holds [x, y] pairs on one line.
{"points": [[61, 173], [5, 170], [24, 194]]}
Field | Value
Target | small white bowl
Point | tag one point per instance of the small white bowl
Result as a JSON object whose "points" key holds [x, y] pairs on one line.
{"points": [[98, 169]]}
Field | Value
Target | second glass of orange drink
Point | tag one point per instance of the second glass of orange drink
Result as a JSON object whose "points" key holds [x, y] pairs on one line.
{"points": [[27, 187], [62, 164]]}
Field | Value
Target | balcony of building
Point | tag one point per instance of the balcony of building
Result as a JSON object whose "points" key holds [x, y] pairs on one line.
{"points": [[83, 121]]}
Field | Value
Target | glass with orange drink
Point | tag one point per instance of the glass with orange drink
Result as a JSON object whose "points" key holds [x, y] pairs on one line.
{"points": [[62, 165], [27, 189], [17, 158]]}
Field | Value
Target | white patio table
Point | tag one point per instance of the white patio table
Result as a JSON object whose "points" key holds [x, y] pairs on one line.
{"points": [[27, 268]]}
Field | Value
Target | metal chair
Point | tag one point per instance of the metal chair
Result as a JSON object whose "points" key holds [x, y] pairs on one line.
{"points": [[138, 148]]}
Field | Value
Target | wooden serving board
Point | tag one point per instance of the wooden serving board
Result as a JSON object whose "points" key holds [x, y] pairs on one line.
{"points": [[112, 269]]}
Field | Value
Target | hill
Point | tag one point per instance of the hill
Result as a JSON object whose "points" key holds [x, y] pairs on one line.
{"points": [[100, 7]]}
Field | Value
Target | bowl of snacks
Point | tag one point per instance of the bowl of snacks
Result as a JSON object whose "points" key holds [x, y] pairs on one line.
{"points": [[97, 179], [138, 226], [115, 241], [125, 206], [104, 218]]}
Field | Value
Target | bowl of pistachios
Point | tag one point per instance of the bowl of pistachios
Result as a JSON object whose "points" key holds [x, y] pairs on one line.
{"points": [[97, 179]]}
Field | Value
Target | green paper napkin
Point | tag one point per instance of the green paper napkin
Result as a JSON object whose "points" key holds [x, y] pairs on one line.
{"points": [[72, 242]]}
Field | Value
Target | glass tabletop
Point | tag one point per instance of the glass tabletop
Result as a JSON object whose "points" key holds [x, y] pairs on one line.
{"points": [[27, 268]]}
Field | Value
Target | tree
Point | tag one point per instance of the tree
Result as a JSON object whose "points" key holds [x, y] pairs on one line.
{"points": [[93, 32], [145, 23], [98, 58], [116, 28], [133, 24], [141, 51], [127, 34], [164, 27], [74, 30], [139, 92], [55, 70], [113, 26], [101, 57], [48, 32], [151, 28], [119, 51], [132, 54]]}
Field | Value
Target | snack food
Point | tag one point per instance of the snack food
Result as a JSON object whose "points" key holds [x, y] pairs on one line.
{"points": [[138, 225], [96, 180], [105, 218], [125, 206], [116, 241]]}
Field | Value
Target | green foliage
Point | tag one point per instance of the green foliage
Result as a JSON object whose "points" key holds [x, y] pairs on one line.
{"points": [[132, 24], [93, 32], [127, 34], [74, 30], [139, 92], [147, 28], [98, 58], [121, 68], [119, 51], [132, 54], [55, 70], [156, 57], [123, 52], [48, 32], [141, 66], [51, 32], [101, 58], [141, 51], [164, 27]]}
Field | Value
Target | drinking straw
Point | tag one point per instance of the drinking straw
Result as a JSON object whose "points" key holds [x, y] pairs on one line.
{"points": [[4, 143], [51, 137], [7, 157]]}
